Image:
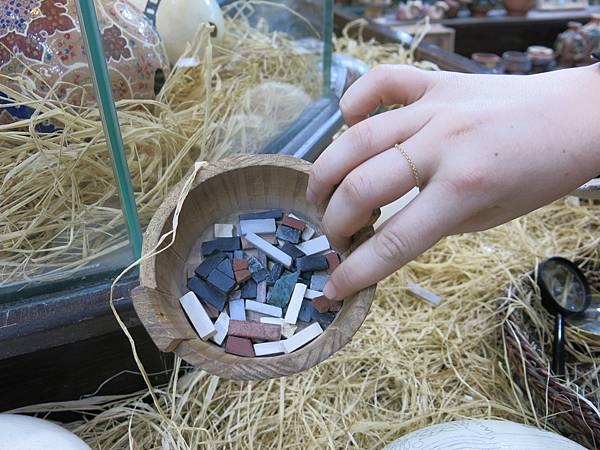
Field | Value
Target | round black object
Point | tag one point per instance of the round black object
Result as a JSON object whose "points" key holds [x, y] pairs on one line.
{"points": [[564, 288]]}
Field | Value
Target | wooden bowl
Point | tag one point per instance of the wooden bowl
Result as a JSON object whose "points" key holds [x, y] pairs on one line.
{"points": [[219, 193]]}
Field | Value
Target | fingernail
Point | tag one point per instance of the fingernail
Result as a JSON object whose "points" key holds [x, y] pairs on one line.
{"points": [[329, 291]]}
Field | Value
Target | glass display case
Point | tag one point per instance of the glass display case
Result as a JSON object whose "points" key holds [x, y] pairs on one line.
{"points": [[253, 79]]}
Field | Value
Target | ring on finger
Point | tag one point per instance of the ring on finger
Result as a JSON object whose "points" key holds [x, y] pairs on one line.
{"points": [[412, 165]]}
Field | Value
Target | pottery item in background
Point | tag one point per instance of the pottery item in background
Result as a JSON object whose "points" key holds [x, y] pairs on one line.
{"points": [[416, 9], [43, 37], [478, 434], [480, 8], [570, 46], [591, 31], [518, 7], [436, 11], [453, 8], [375, 8], [410, 10], [516, 62], [21, 432], [490, 60], [177, 21], [542, 58]]}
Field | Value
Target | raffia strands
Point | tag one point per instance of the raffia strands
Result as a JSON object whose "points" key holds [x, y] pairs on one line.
{"points": [[373, 53], [60, 208], [409, 366]]}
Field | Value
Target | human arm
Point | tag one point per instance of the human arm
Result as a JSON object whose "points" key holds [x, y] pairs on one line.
{"points": [[487, 149]]}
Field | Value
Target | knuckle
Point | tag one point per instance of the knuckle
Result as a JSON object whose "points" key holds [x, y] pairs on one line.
{"points": [[356, 188], [469, 182], [316, 174], [382, 72], [391, 247], [361, 136]]}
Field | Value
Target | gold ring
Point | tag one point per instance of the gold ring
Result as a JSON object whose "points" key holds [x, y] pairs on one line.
{"points": [[412, 165]]}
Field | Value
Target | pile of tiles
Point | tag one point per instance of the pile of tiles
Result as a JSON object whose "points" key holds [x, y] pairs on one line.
{"points": [[258, 289]]}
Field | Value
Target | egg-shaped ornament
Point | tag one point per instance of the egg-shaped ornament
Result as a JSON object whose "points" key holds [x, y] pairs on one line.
{"points": [[481, 434], [20, 432], [177, 21], [41, 43]]}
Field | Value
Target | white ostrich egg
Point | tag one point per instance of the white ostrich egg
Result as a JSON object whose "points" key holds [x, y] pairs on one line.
{"points": [[177, 21], [19, 432], [482, 435]]}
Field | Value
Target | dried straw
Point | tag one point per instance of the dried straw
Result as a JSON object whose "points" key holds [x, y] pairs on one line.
{"points": [[409, 366], [60, 208]]}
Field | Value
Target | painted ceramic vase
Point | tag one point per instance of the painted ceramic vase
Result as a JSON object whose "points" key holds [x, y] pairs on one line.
{"points": [[480, 434], [177, 29], [571, 46], [42, 37], [592, 34]]}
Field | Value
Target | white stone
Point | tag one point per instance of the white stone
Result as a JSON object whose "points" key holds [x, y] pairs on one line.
{"points": [[314, 246], [308, 233], [223, 230], [291, 315], [268, 348], [258, 226], [287, 329], [263, 308], [302, 337], [237, 311], [271, 251], [311, 294], [198, 316], [424, 294], [222, 326]]}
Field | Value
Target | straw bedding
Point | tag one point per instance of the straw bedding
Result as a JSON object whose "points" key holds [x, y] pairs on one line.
{"points": [[409, 366], [60, 207]]}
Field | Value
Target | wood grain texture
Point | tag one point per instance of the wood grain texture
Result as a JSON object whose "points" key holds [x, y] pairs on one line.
{"points": [[163, 318], [220, 192]]}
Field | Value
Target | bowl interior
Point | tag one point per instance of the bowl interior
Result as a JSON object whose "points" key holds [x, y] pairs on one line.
{"points": [[220, 199]]}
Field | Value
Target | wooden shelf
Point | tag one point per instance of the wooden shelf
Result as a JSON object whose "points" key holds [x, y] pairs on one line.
{"points": [[498, 17]]}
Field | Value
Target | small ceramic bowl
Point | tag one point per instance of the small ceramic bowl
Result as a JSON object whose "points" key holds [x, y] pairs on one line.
{"points": [[220, 192], [542, 58], [489, 60], [517, 62]]}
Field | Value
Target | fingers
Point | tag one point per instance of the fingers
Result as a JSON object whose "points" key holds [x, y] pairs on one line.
{"points": [[410, 232], [387, 84], [375, 183], [359, 143]]}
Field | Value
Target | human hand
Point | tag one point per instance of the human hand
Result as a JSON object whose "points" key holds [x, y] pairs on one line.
{"points": [[488, 148]]}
